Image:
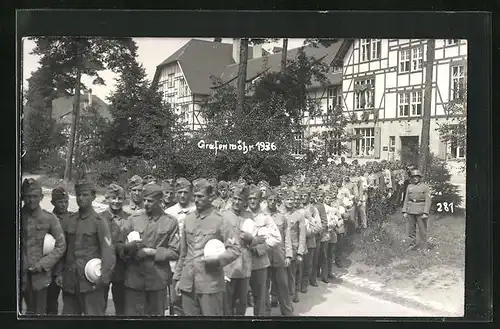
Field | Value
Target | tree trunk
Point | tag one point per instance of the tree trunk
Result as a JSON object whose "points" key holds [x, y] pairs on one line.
{"points": [[284, 53], [242, 75], [426, 121], [74, 125]]}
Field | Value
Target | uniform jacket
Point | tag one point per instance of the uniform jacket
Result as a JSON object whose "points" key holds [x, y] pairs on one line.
{"points": [[199, 228], [417, 199], [381, 182], [117, 225], [334, 223], [324, 235], [373, 180], [387, 178], [241, 267], [160, 232], [313, 224], [284, 249], [180, 214], [297, 232], [34, 227], [61, 218], [87, 236], [260, 258]]}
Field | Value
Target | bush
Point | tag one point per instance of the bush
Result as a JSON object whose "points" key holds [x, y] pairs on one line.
{"points": [[53, 163], [438, 178]]}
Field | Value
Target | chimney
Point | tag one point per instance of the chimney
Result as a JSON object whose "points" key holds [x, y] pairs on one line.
{"points": [[236, 50], [257, 51]]}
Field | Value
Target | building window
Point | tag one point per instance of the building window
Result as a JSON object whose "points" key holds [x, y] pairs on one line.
{"points": [[413, 56], [298, 138], [334, 97], [458, 82], [183, 88], [409, 100], [365, 93], [451, 42], [170, 80], [404, 60], [337, 68], [334, 144], [370, 49], [365, 145], [392, 143], [416, 58], [185, 112]]}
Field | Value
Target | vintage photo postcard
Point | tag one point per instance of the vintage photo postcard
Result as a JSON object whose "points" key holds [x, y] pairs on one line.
{"points": [[243, 177]]}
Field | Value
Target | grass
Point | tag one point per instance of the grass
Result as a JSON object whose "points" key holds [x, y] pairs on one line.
{"points": [[384, 248]]}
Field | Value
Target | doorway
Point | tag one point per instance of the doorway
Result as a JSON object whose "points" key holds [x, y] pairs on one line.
{"points": [[409, 149]]}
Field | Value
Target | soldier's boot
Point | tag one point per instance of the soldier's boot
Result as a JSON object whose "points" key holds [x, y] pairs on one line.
{"points": [[250, 299], [296, 298]]}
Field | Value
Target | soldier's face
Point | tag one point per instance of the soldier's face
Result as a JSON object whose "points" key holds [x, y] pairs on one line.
{"points": [[263, 191], [202, 199], [136, 194], [290, 181], [168, 196], [415, 179], [239, 203], [254, 201], [32, 199], [328, 200], [61, 206], [84, 198], [298, 201], [289, 202], [320, 197], [223, 193], [272, 202], [183, 196], [305, 198], [151, 203], [115, 201]]}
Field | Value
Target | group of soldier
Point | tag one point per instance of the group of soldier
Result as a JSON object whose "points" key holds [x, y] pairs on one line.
{"points": [[302, 224]]}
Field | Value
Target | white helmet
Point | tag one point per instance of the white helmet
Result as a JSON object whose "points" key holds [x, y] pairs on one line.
{"points": [[48, 244], [93, 270], [214, 248]]}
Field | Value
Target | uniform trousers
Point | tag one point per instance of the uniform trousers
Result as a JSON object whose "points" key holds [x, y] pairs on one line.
{"points": [[144, 302], [277, 281], [194, 304], [322, 266], [294, 271], [235, 299], [313, 275], [175, 301], [413, 221], [86, 303], [118, 293], [53, 292], [258, 281], [36, 300], [307, 267], [358, 215]]}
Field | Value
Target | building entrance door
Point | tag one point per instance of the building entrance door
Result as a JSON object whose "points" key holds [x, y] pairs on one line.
{"points": [[409, 149]]}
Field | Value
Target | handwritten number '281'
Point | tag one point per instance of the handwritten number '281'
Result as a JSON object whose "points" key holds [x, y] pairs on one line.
{"points": [[445, 206]]}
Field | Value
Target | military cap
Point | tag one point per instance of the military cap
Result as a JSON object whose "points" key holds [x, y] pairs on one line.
{"points": [[288, 193], [167, 185], [59, 193], [201, 184], [84, 185], [135, 181], [30, 184], [115, 189], [153, 190], [149, 179], [222, 184], [182, 183], [271, 192], [241, 190], [264, 183], [255, 190], [415, 172]]}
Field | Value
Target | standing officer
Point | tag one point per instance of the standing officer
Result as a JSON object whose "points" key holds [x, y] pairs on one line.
{"points": [[238, 272], [60, 201], [136, 187], [147, 271], [416, 209], [298, 236], [222, 202], [88, 236], [36, 267], [118, 222], [200, 280], [280, 258]]}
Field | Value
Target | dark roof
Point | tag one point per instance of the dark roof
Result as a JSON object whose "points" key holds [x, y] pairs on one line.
{"points": [[273, 63], [200, 59], [62, 108]]}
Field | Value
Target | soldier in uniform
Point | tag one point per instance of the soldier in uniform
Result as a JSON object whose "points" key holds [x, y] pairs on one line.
{"points": [[60, 201], [264, 188], [168, 194], [298, 236], [136, 187], [237, 273], [183, 207], [280, 258], [222, 202], [321, 265], [118, 222], [416, 208], [88, 236], [36, 267], [200, 280], [147, 271]]}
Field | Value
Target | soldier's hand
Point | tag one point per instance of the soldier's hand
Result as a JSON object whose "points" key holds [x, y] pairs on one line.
{"points": [[212, 263], [299, 259], [425, 216], [36, 269], [260, 239], [287, 261], [405, 215], [177, 288], [59, 281]]}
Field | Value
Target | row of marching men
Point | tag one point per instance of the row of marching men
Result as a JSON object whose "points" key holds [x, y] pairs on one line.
{"points": [[208, 253]]}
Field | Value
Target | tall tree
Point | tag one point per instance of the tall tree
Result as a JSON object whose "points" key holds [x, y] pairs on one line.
{"points": [[72, 57], [426, 121], [284, 53], [242, 74]]}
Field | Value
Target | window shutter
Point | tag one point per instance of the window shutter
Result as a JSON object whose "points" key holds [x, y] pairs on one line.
{"points": [[377, 142], [442, 149], [353, 143]]}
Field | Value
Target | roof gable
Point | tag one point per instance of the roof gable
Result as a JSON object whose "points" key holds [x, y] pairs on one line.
{"points": [[62, 108]]}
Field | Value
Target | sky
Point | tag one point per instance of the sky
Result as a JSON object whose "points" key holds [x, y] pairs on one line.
{"points": [[151, 52]]}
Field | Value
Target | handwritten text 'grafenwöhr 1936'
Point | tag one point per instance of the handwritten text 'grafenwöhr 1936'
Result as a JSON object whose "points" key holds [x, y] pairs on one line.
{"points": [[238, 146]]}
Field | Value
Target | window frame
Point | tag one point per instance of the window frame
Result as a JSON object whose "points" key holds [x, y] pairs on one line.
{"points": [[453, 43], [361, 143], [414, 103], [171, 80], [357, 96], [406, 102], [411, 59], [453, 92]]}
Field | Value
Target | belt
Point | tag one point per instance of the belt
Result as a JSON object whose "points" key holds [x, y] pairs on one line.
{"points": [[413, 200]]}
